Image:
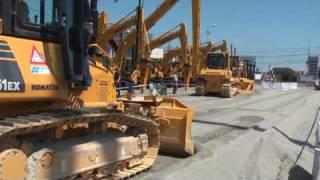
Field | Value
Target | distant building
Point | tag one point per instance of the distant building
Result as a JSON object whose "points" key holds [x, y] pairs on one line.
{"points": [[251, 65], [248, 59], [284, 74], [299, 74], [312, 65], [306, 79]]}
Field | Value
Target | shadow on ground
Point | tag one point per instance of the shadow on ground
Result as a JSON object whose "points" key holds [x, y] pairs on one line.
{"points": [[208, 95], [297, 142], [299, 173], [254, 127]]}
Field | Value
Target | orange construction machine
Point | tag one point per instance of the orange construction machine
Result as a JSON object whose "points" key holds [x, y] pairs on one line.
{"points": [[213, 73], [183, 52], [59, 116]]}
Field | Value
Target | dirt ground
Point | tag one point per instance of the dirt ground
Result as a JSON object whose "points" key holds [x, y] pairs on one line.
{"points": [[249, 137]]}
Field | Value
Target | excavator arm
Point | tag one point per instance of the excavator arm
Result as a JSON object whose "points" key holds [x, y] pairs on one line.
{"points": [[144, 49], [149, 23], [182, 34], [223, 47], [196, 14], [107, 33], [172, 34]]}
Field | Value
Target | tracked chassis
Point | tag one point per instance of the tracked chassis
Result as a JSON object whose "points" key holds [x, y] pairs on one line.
{"points": [[42, 146]]}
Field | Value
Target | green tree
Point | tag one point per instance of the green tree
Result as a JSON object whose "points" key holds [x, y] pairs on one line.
{"points": [[287, 76]]}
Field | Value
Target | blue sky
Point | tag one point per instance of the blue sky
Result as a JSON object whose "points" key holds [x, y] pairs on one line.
{"points": [[270, 29]]}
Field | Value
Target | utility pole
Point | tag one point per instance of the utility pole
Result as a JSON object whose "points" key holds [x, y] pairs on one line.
{"points": [[308, 48]]}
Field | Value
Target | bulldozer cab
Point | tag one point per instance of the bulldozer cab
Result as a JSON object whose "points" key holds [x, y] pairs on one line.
{"points": [[235, 61], [249, 68], [218, 61], [70, 23], [32, 19]]}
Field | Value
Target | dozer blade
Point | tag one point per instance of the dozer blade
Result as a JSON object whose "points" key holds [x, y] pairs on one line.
{"points": [[175, 127], [246, 85], [175, 122]]}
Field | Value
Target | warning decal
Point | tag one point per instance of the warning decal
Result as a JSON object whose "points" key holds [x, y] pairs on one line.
{"points": [[37, 57], [38, 62]]}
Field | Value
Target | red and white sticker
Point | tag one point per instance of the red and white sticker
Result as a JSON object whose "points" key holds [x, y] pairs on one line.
{"points": [[37, 57], [38, 63]]}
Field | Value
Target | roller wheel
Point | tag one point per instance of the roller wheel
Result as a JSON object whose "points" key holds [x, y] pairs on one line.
{"points": [[13, 164]]}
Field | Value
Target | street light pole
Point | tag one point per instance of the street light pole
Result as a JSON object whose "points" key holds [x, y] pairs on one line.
{"points": [[208, 30]]}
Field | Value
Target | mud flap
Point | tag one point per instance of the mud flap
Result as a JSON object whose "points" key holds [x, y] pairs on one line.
{"points": [[175, 127]]}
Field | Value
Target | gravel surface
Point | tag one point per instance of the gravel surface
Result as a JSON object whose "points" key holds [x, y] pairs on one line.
{"points": [[249, 137]]}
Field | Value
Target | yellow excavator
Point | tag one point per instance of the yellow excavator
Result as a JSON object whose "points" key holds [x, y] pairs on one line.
{"points": [[60, 118], [170, 65], [180, 32], [143, 63]]}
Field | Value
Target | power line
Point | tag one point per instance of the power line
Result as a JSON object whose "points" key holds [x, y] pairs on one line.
{"points": [[285, 55], [278, 62], [276, 51], [283, 48]]}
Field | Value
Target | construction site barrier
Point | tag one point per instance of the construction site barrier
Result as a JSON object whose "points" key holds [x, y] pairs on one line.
{"points": [[279, 85]]}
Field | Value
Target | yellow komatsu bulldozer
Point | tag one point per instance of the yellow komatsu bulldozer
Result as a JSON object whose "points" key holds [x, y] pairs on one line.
{"points": [[59, 116], [224, 74]]}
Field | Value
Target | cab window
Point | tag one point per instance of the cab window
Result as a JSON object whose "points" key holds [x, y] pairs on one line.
{"points": [[51, 13], [1, 10], [216, 61], [36, 13], [29, 11]]}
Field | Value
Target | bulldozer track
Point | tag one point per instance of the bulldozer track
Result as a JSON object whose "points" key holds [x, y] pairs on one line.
{"points": [[33, 123]]}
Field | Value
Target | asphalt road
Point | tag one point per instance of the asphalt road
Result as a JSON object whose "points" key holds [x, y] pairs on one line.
{"points": [[256, 136]]}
